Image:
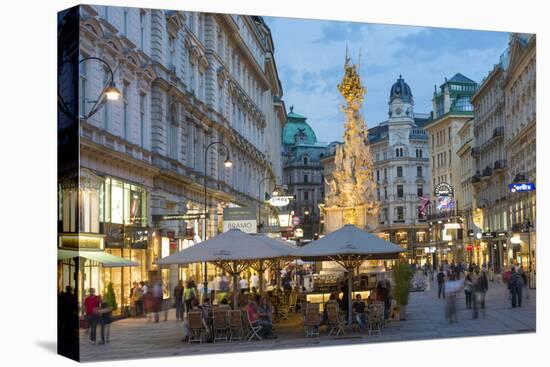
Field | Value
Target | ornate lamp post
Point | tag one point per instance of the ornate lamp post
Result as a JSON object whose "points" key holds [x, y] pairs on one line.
{"points": [[227, 163], [110, 92]]}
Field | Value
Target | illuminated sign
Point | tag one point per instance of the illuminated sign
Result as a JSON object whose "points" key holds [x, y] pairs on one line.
{"points": [[186, 217], [295, 221], [520, 187], [299, 232], [280, 200], [443, 189]]}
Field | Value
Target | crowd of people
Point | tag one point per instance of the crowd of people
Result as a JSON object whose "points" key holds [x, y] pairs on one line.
{"points": [[474, 282]]}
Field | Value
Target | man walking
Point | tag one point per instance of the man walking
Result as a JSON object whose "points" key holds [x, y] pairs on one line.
{"points": [[178, 300], [516, 285], [440, 283]]}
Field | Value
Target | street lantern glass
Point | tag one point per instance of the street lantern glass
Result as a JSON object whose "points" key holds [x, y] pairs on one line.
{"points": [[228, 163], [275, 193], [306, 212], [112, 93]]}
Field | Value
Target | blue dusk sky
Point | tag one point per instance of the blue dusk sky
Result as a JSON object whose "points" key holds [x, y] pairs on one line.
{"points": [[310, 58]]}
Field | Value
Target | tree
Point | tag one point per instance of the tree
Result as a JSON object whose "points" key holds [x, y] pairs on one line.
{"points": [[402, 274], [110, 297]]}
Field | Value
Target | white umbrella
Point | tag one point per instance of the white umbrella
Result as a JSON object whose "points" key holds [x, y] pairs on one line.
{"points": [[231, 251], [349, 247]]}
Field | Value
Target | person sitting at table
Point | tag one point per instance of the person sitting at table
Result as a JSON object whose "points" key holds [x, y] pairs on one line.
{"points": [[206, 309], [359, 309], [265, 315], [224, 304], [186, 331], [333, 298]]}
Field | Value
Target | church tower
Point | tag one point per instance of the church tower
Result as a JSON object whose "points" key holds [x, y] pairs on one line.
{"points": [[401, 104]]}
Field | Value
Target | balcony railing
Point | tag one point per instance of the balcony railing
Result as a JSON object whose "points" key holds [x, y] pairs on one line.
{"points": [[475, 151], [500, 164], [487, 171], [476, 178]]}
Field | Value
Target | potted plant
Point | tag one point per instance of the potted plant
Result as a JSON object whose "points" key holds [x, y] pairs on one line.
{"points": [[402, 275]]}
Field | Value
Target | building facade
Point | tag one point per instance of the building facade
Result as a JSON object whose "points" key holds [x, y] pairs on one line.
{"points": [[520, 144], [303, 172], [489, 179], [465, 188], [399, 147], [188, 81], [451, 110]]}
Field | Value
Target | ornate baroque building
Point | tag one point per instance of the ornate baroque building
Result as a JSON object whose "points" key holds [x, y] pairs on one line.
{"points": [[186, 80], [399, 146]]}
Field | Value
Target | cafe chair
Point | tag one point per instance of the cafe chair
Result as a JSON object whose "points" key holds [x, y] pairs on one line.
{"points": [[253, 328], [336, 323], [312, 320], [236, 329], [197, 331], [220, 324]]}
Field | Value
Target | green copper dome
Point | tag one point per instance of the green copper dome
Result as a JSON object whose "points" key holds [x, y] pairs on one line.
{"points": [[297, 130]]}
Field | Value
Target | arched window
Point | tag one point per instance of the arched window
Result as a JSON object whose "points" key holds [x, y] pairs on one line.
{"points": [[305, 161]]}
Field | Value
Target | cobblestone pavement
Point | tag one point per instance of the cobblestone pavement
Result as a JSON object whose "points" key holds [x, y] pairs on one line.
{"points": [[138, 338]]}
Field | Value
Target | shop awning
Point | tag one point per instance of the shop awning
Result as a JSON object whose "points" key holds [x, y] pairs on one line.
{"points": [[105, 259]]}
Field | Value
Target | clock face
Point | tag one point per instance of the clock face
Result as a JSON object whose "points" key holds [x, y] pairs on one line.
{"points": [[398, 111]]}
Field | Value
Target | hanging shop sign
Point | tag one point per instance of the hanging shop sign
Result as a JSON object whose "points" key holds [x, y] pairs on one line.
{"points": [[299, 232], [443, 189], [185, 217], [114, 235], [280, 200], [296, 221], [240, 218], [520, 187]]}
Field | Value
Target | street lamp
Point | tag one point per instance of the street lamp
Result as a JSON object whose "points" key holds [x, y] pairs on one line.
{"points": [[227, 163], [110, 92]]}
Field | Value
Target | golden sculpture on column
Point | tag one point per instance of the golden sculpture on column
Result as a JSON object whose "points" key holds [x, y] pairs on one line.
{"points": [[351, 195]]}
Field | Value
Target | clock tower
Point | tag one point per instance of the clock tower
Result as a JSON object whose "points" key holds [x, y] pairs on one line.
{"points": [[401, 104]]}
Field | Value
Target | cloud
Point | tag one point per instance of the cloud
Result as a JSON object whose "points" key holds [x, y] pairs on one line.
{"points": [[310, 56]]}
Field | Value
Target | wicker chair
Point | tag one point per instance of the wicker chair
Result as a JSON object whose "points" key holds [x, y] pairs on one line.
{"points": [[312, 320], [197, 331], [236, 329], [220, 325]]}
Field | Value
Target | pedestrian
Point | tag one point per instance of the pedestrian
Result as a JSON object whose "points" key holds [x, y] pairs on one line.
{"points": [[137, 296], [91, 304], [178, 300], [189, 294], [451, 290], [157, 297], [105, 318], [468, 288], [440, 283], [525, 281], [516, 285]]}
